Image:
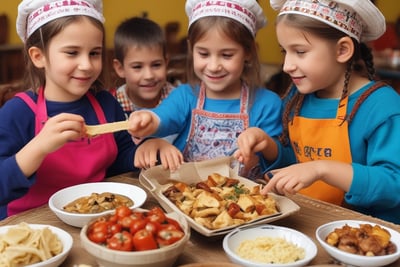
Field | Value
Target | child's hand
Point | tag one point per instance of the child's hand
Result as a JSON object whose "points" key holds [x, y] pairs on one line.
{"points": [[58, 130], [289, 180], [142, 123], [249, 142], [146, 154]]}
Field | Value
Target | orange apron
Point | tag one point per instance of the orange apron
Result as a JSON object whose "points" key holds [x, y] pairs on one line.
{"points": [[322, 139]]}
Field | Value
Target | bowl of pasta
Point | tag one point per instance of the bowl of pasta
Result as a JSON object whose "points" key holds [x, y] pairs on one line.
{"points": [[269, 246], [359, 243], [36, 245], [77, 205]]}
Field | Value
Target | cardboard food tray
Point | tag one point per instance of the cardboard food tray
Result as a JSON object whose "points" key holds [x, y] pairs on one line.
{"points": [[156, 180]]}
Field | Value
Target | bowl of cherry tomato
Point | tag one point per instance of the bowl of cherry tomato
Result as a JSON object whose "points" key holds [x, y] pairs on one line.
{"points": [[138, 237]]}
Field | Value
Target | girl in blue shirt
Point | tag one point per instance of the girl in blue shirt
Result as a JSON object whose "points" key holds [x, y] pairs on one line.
{"points": [[224, 97], [340, 139]]}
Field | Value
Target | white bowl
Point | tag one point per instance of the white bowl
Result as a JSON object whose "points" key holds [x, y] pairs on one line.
{"points": [[64, 237], [353, 259], [64, 196], [233, 240], [162, 257]]}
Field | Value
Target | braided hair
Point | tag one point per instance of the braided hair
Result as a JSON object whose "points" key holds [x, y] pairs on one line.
{"points": [[361, 62]]}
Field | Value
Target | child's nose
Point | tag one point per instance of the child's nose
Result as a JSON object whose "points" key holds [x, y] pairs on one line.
{"points": [[288, 65], [85, 63], [214, 65]]}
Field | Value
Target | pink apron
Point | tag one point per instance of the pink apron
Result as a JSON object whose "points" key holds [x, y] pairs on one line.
{"points": [[77, 162], [214, 134]]}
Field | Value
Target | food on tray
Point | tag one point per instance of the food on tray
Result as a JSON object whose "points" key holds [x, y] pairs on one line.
{"points": [[270, 250], [365, 240], [129, 230], [220, 201], [97, 202], [22, 245]]}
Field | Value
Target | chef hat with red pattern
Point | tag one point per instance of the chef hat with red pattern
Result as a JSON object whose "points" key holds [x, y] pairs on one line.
{"points": [[247, 12], [360, 19], [32, 14]]}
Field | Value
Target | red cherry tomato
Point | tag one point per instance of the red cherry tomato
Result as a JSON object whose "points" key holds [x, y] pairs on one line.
{"points": [[137, 225], [136, 215], [98, 232], [122, 211], [114, 228], [167, 237], [97, 237], [156, 214], [144, 240], [113, 218], [126, 222], [121, 241], [153, 227], [171, 224]]}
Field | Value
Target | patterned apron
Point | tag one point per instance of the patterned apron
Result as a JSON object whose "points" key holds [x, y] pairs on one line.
{"points": [[322, 139], [214, 134], [76, 162]]}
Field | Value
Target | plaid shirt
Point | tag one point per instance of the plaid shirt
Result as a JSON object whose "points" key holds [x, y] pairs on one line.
{"points": [[127, 105]]}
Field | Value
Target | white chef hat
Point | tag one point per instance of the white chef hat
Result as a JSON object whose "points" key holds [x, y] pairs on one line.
{"points": [[32, 14], [247, 12], [360, 19]]}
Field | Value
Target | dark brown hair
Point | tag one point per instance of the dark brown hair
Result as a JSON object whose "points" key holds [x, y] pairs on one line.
{"points": [[361, 62], [137, 32], [34, 77]]}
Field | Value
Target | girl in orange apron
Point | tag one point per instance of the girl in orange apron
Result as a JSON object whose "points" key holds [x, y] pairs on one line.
{"points": [[340, 135]]}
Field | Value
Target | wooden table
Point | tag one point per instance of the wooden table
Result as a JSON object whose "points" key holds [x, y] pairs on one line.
{"points": [[199, 248]]}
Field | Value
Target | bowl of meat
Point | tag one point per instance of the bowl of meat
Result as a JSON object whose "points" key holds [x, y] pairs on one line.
{"points": [[79, 204], [360, 243]]}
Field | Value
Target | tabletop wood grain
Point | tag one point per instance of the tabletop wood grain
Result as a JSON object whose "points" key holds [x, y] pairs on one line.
{"points": [[312, 214]]}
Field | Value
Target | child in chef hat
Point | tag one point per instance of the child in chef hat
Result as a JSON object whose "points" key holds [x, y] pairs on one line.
{"points": [[340, 125], [43, 143], [224, 96]]}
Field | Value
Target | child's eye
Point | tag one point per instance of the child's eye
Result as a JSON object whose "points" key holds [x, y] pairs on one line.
{"points": [[157, 65], [95, 53], [227, 55], [136, 67], [71, 53], [203, 54], [283, 51]]}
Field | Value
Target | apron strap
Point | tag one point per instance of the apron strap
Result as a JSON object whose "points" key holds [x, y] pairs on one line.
{"points": [[97, 108], [33, 106], [364, 96], [244, 98]]}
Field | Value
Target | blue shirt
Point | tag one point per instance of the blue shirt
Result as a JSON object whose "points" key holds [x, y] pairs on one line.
{"points": [[175, 112]]}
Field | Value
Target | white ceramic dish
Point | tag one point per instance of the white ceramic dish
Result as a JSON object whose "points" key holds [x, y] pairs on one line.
{"points": [[164, 257], [65, 238], [233, 240], [61, 198], [156, 180], [353, 259]]}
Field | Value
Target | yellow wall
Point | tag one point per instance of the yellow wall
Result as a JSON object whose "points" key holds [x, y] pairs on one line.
{"points": [[163, 11]]}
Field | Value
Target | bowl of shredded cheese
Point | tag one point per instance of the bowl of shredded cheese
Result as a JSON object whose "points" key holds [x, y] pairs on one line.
{"points": [[269, 246]]}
